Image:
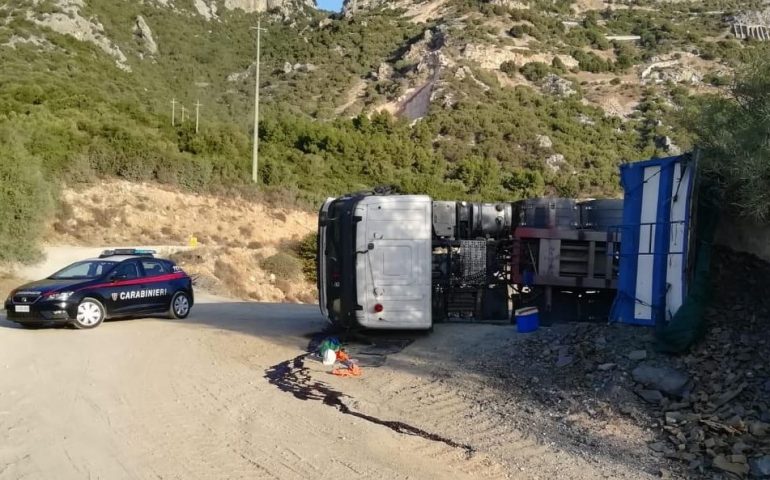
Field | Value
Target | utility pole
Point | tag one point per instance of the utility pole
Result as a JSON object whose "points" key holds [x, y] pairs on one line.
{"points": [[183, 110], [173, 111], [255, 156], [197, 112]]}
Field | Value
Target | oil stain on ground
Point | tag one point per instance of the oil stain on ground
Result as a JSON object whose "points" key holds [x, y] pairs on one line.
{"points": [[293, 377]]}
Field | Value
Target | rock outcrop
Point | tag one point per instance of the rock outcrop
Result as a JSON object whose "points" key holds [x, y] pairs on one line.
{"points": [[68, 21], [350, 7], [555, 85], [206, 10], [143, 33], [490, 57], [285, 7]]}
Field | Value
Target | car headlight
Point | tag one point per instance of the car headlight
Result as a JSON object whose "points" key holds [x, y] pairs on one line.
{"points": [[59, 296]]}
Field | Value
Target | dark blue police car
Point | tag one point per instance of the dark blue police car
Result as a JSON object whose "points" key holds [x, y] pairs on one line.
{"points": [[120, 283]]}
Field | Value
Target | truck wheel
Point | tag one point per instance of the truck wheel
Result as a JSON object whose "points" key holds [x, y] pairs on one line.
{"points": [[90, 314], [180, 306]]}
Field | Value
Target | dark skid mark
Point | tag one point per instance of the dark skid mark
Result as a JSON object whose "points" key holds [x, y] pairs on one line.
{"points": [[293, 377]]}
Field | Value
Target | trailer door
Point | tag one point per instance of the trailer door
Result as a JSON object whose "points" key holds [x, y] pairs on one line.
{"points": [[393, 262]]}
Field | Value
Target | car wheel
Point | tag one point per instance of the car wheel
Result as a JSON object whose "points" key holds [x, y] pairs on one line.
{"points": [[180, 306], [90, 314]]}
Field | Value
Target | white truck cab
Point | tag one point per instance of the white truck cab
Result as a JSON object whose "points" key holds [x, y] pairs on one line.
{"points": [[374, 262]]}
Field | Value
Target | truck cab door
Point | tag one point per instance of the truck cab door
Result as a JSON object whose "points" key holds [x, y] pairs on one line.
{"points": [[321, 257], [393, 264]]}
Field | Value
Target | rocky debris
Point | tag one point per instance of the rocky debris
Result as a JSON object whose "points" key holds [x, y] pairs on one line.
{"points": [[143, 33], [708, 410], [667, 380], [637, 355], [728, 465], [760, 466], [651, 396], [555, 85], [564, 359], [544, 141]]}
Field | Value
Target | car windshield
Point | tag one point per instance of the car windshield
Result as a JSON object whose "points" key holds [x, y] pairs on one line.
{"points": [[84, 270]]}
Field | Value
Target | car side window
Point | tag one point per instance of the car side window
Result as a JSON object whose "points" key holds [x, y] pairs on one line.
{"points": [[127, 271], [153, 268]]}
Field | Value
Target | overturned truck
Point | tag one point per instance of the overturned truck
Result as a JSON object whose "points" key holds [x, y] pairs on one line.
{"points": [[405, 261]]}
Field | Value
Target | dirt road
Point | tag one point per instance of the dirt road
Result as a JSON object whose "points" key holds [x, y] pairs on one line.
{"points": [[154, 398], [192, 399]]}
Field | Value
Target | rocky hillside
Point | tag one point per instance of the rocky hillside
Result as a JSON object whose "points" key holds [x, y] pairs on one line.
{"points": [[494, 99]]}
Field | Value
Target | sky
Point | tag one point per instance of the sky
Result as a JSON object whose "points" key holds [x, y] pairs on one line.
{"points": [[332, 5]]}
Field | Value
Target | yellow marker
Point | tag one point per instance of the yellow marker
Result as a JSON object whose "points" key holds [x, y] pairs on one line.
{"points": [[193, 241]]}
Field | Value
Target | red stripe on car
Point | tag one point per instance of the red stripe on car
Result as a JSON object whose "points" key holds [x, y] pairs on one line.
{"points": [[140, 281]]}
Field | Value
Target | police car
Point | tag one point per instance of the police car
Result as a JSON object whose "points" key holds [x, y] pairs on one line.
{"points": [[120, 283]]}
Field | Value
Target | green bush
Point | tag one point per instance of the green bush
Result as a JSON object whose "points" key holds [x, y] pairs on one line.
{"points": [[509, 68], [25, 200], [283, 265], [306, 251], [733, 133], [535, 71]]}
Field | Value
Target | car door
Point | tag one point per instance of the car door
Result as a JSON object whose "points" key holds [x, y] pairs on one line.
{"points": [[157, 285], [123, 293]]}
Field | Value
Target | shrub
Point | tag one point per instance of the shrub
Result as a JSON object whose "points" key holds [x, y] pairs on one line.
{"points": [[519, 31], [733, 135], [306, 250], [558, 65], [716, 80], [25, 200], [509, 68], [535, 71], [283, 265]]}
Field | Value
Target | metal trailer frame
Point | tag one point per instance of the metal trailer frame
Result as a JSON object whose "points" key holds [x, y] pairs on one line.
{"points": [[580, 259]]}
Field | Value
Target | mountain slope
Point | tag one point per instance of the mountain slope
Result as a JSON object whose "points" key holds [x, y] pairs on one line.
{"points": [[513, 98]]}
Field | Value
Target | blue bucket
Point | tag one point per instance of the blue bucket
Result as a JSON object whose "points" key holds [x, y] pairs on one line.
{"points": [[527, 319]]}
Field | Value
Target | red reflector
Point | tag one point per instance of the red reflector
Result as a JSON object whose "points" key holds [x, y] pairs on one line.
{"points": [[336, 275], [378, 308]]}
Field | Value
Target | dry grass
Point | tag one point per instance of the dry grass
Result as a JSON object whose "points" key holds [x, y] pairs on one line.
{"points": [[235, 234]]}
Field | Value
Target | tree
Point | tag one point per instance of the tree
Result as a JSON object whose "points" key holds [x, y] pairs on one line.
{"points": [[734, 135]]}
